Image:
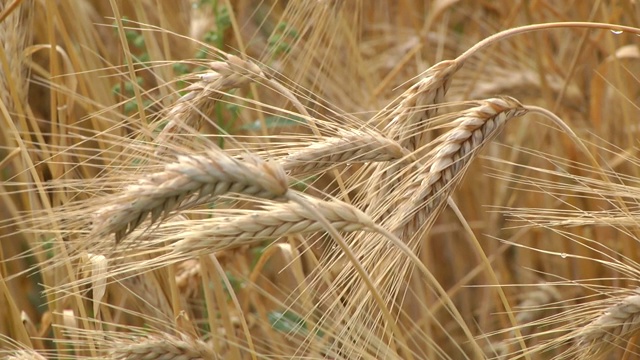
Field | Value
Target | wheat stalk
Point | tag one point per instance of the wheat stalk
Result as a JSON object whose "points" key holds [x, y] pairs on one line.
{"points": [[162, 347], [617, 324], [186, 182]]}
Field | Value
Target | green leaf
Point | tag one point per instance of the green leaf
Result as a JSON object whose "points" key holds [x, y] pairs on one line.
{"points": [[287, 322], [303, 184], [274, 122], [180, 69], [138, 41]]}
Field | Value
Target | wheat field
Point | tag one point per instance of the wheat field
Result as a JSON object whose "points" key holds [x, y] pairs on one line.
{"points": [[271, 179]]}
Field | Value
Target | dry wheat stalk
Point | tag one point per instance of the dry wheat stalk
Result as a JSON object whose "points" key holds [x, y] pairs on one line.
{"points": [[162, 347], [198, 104], [25, 355], [616, 325], [274, 222], [186, 182], [348, 147], [475, 127]]}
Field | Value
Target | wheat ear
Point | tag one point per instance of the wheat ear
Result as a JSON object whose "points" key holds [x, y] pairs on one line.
{"points": [[274, 222], [475, 127], [15, 33], [616, 325], [162, 347], [416, 105], [198, 103], [186, 182], [409, 118], [25, 355], [348, 147], [188, 278]]}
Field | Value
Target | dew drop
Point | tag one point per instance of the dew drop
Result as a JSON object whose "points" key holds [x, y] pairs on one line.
{"points": [[563, 255], [617, 32]]}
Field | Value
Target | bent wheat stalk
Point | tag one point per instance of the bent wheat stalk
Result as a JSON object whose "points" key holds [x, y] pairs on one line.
{"points": [[185, 182]]}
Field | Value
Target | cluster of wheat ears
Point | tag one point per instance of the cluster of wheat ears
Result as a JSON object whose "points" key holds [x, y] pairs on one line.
{"points": [[140, 222]]}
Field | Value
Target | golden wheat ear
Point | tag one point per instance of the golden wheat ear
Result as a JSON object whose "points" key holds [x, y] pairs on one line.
{"points": [[163, 346], [186, 183], [613, 328], [25, 355], [198, 104]]}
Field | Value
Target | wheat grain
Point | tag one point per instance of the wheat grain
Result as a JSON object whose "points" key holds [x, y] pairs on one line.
{"points": [[162, 347], [617, 324], [149, 294], [25, 355], [277, 221], [188, 278], [198, 103], [186, 182], [475, 127], [416, 106], [348, 147]]}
